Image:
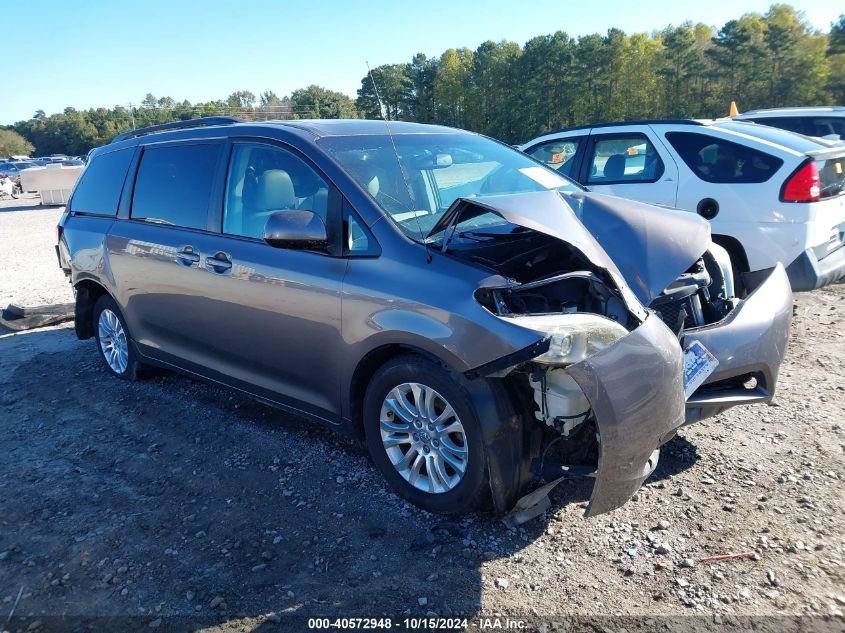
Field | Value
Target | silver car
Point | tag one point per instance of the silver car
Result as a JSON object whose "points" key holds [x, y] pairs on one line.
{"points": [[482, 323]]}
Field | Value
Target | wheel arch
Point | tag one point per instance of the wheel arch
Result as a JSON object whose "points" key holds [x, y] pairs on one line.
{"points": [[502, 423], [369, 365], [735, 249], [88, 291]]}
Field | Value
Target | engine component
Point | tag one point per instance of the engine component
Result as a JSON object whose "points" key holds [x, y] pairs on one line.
{"points": [[560, 402]]}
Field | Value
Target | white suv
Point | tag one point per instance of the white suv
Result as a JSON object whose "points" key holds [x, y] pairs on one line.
{"points": [[826, 121], [770, 195]]}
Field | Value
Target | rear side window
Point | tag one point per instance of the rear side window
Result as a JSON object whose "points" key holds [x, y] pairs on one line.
{"points": [[173, 185], [559, 154], [99, 187], [719, 161], [622, 159]]}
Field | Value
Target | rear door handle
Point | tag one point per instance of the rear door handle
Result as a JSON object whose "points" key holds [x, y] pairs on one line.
{"points": [[187, 256], [219, 263]]}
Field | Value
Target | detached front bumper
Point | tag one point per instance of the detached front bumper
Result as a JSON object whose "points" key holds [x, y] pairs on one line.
{"points": [[636, 391], [749, 343]]}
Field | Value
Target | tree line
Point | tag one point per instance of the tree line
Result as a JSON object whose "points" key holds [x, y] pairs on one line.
{"points": [[515, 92]]}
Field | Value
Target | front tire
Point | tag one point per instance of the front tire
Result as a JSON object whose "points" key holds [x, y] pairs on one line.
{"points": [[423, 434], [114, 343]]}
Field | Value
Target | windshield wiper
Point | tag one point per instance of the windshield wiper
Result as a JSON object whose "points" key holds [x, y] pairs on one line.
{"points": [[516, 234]]}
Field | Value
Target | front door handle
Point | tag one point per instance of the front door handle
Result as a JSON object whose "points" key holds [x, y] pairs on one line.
{"points": [[219, 263], [187, 256]]}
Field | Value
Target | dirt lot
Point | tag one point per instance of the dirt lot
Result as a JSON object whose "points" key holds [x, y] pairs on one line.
{"points": [[169, 498]]}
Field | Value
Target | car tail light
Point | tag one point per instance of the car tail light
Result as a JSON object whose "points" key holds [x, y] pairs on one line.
{"points": [[803, 185]]}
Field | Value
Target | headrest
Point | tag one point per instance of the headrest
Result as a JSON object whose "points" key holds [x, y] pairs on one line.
{"points": [[614, 168], [275, 191]]}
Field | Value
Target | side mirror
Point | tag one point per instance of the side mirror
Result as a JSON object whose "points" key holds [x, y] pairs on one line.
{"points": [[297, 230]]}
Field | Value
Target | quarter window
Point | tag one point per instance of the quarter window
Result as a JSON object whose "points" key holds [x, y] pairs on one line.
{"points": [[559, 154], [358, 240], [719, 161], [621, 159], [99, 187], [264, 179], [173, 185]]}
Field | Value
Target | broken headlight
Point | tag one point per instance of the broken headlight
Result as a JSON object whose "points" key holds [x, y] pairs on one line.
{"points": [[574, 337]]}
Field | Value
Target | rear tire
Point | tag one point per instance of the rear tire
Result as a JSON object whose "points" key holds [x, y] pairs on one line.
{"points": [[114, 344], [430, 452]]}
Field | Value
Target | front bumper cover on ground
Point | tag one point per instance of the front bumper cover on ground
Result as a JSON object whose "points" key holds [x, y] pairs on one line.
{"points": [[636, 391]]}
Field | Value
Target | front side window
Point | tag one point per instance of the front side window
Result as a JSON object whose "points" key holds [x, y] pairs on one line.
{"points": [[416, 182], [621, 159], [719, 161], [559, 154], [173, 185], [99, 187], [263, 179]]}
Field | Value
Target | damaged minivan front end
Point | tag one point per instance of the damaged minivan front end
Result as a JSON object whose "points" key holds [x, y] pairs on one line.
{"points": [[606, 382]]}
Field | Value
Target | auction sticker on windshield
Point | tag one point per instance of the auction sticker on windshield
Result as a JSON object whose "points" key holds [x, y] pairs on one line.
{"points": [[698, 365]]}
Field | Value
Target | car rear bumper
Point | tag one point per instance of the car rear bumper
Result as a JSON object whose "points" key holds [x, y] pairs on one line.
{"points": [[749, 343], [815, 268], [636, 392]]}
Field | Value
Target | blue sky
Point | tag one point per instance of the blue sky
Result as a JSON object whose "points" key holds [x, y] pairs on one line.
{"points": [[102, 53]]}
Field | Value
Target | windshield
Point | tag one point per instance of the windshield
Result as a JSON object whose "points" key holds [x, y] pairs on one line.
{"points": [[436, 170]]}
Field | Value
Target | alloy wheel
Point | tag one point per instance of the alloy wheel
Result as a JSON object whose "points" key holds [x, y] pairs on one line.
{"points": [[113, 341], [423, 437]]}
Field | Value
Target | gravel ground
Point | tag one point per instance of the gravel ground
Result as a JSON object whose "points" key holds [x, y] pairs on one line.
{"points": [[168, 497], [29, 270]]}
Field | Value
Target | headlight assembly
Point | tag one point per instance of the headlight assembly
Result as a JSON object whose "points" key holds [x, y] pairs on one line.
{"points": [[574, 336]]}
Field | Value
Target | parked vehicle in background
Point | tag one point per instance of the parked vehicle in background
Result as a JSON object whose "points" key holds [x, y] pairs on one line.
{"points": [[827, 121], [53, 182], [8, 187], [13, 168], [473, 315], [770, 195], [42, 161]]}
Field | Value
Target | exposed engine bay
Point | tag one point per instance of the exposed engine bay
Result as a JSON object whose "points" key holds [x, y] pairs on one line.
{"points": [[545, 278], [700, 296], [633, 310]]}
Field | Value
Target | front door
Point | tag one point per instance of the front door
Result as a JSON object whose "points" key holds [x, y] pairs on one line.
{"points": [[273, 317]]}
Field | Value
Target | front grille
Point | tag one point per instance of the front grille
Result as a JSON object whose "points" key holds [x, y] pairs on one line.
{"points": [[670, 314]]}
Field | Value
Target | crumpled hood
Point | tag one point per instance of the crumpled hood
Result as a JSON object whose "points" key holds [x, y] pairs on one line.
{"points": [[648, 246], [652, 246]]}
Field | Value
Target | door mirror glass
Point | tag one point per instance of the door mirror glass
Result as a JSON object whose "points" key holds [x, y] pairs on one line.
{"points": [[296, 230]]}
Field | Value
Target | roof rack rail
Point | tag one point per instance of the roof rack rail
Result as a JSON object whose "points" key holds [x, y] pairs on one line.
{"points": [[621, 123], [177, 125]]}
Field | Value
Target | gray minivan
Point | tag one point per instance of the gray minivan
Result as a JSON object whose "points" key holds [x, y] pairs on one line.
{"points": [[480, 321]]}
